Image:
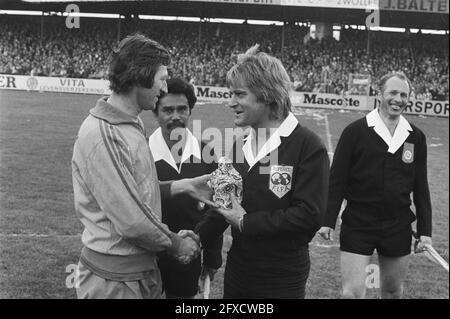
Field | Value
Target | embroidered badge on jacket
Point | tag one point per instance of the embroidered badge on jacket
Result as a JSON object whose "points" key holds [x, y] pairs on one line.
{"points": [[280, 179], [408, 153]]}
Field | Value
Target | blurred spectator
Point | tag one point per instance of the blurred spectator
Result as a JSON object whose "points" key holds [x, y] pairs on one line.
{"points": [[314, 66]]}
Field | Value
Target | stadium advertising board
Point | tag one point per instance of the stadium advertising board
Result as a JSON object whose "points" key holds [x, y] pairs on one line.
{"points": [[429, 6], [54, 84], [421, 107], [212, 94], [330, 101], [337, 4], [267, 2], [344, 4], [365, 103], [215, 94]]}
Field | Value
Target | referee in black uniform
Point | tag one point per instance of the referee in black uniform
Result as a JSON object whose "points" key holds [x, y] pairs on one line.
{"points": [[285, 171], [178, 154], [379, 161]]}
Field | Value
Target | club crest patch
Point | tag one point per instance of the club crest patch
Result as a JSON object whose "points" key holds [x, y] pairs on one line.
{"points": [[280, 179], [408, 153]]}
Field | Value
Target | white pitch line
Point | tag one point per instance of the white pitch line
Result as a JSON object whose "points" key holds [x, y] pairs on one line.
{"points": [[328, 134], [37, 235]]}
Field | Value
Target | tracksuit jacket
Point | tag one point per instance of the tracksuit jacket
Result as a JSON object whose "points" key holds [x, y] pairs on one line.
{"points": [[117, 196]]}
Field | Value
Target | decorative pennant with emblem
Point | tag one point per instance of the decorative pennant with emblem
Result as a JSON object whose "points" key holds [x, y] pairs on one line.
{"points": [[280, 182], [408, 153]]}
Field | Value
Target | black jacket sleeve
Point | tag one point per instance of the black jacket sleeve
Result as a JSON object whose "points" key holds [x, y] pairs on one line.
{"points": [[421, 192], [339, 175], [212, 252], [210, 229]]}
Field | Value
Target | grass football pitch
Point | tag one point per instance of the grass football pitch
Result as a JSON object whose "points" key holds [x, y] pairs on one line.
{"points": [[40, 232]]}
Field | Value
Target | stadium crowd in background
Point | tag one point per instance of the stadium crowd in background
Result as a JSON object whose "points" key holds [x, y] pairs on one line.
{"points": [[202, 54]]}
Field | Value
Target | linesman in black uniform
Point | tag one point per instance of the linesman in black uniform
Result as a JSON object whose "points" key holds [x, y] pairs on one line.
{"points": [[285, 171], [178, 154], [378, 162]]}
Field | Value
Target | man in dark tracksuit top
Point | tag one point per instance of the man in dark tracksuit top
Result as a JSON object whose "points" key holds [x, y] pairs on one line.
{"points": [[177, 159], [284, 167], [379, 161]]}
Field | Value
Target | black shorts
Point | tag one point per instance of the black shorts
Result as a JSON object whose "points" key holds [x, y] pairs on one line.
{"points": [[258, 277], [179, 279], [390, 240]]}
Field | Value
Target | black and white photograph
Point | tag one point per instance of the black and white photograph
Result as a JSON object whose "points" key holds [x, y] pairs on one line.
{"points": [[242, 151]]}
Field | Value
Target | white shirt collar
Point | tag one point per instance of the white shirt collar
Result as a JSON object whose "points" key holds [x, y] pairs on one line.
{"points": [[161, 151], [284, 130], [401, 132]]}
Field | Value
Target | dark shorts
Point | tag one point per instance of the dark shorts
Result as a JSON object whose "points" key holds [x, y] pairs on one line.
{"points": [[258, 277], [390, 240], [178, 279]]}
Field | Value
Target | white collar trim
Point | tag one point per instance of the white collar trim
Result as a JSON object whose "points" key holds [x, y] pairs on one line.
{"points": [[401, 132], [160, 150], [284, 130]]}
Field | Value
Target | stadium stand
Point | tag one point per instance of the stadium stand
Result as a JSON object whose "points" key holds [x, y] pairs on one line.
{"points": [[204, 57]]}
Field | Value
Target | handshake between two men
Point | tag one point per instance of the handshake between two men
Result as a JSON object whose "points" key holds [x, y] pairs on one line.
{"points": [[202, 188], [187, 247], [186, 244]]}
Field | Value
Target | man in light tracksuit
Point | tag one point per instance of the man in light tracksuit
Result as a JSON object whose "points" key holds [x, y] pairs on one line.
{"points": [[116, 189]]}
